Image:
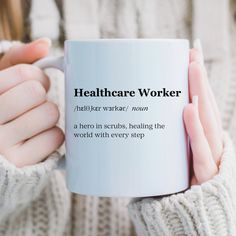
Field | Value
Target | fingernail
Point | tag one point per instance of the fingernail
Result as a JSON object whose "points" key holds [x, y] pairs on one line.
{"points": [[44, 41], [198, 45], [195, 101]]}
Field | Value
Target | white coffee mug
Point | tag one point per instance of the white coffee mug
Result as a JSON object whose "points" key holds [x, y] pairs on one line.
{"points": [[125, 134]]}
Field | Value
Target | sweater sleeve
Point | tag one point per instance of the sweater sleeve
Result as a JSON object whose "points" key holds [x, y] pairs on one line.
{"points": [[20, 186], [206, 209]]}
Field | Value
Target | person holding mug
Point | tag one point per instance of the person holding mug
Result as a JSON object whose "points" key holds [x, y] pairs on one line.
{"points": [[33, 197]]}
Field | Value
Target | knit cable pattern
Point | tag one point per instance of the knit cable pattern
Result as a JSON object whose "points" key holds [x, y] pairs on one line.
{"points": [[207, 209], [17, 185]]}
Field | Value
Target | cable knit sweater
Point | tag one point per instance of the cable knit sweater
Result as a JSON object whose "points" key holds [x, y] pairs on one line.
{"points": [[34, 199]]}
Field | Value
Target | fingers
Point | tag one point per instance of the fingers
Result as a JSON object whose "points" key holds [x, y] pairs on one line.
{"points": [[28, 95], [31, 151], [203, 163], [25, 53], [197, 85], [202, 122], [31, 123], [196, 54], [18, 74]]}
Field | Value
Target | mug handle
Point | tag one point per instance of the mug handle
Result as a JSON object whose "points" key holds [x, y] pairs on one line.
{"points": [[57, 63], [51, 62]]}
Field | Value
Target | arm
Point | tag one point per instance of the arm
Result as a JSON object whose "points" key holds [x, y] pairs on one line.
{"points": [[20, 186], [206, 209]]}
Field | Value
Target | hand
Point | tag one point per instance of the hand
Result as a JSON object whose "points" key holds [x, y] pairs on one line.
{"points": [[202, 121], [27, 120]]}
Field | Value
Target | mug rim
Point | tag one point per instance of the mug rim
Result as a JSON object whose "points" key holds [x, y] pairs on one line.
{"points": [[103, 40]]}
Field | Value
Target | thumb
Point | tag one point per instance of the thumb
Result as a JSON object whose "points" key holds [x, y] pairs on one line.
{"points": [[25, 53]]}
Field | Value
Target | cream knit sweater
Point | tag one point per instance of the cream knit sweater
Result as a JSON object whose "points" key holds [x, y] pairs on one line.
{"points": [[34, 199]]}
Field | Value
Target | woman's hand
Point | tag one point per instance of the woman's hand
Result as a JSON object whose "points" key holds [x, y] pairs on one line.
{"points": [[202, 121], [27, 120]]}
